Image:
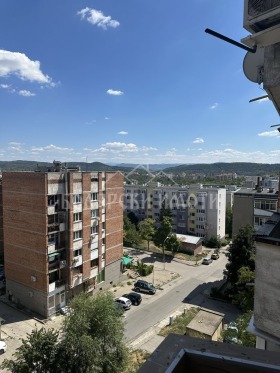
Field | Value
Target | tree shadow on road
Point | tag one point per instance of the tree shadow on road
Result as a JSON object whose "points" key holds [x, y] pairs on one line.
{"points": [[200, 296]]}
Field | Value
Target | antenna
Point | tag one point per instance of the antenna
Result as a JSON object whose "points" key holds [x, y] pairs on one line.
{"points": [[231, 41], [276, 125], [258, 98]]}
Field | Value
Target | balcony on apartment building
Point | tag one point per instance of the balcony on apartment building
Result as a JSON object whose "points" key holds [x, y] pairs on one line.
{"points": [[56, 282]]}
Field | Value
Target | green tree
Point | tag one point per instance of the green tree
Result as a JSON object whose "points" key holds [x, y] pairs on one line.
{"points": [[93, 336], [130, 235], [214, 242], [172, 243], [162, 233], [244, 295], [38, 353], [164, 212], [241, 253], [133, 218], [229, 220], [146, 230]]}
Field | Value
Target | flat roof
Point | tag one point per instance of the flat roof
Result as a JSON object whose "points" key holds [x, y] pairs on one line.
{"points": [[188, 239], [206, 322]]}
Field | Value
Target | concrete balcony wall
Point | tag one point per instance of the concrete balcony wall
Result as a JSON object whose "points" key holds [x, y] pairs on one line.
{"points": [[77, 244], [94, 254], [77, 207], [77, 261], [94, 205], [93, 272]]}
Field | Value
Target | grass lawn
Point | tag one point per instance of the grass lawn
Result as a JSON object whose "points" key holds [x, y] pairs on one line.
{"points": [[179, 324], [154, 249]]}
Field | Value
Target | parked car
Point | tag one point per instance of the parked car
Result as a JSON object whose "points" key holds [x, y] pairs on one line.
{"points": [[123, 303], [144, 286], [232, 340], [215, 256], [135, 298], [233, 327], [3, 347], [207, 261]]}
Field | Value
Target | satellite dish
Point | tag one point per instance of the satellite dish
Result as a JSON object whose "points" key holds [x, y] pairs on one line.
{"points": [[253, 65]]}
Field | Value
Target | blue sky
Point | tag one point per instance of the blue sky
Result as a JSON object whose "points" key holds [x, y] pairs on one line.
{"points": [[129, 81]]}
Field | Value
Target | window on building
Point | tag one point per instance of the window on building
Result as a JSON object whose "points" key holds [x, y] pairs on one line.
{"points": [[77, 198], [93, 229], [93, 196], [53, 200], [94, 213], [77, 252], [94, 263], [103, 241], [77, 216], [266, 205], [77, 235]]}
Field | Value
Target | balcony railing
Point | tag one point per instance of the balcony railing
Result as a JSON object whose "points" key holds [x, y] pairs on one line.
{"points": [[56, 284], [94, 254]]}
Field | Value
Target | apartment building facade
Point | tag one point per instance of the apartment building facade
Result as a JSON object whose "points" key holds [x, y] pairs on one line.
{"points": [[254, 207], [63, 234], [265, 323], [195, 211]]}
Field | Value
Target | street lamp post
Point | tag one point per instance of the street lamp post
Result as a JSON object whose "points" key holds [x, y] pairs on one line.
{"points": [[163, 248]]}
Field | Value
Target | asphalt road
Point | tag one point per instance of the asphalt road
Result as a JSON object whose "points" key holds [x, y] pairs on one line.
{"points": [[188, 288]]}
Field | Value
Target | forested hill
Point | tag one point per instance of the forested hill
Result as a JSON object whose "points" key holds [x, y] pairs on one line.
{"points": [[208, 169], [32, 166], [241, 168]]}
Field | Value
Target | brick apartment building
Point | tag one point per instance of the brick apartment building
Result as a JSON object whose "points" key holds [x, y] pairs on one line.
{"points": [[63, 234]]}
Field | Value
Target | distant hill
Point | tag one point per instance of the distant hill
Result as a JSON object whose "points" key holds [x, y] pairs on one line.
{"points": [[241, 168], [32, 166], [152, 167], [208, 169]]}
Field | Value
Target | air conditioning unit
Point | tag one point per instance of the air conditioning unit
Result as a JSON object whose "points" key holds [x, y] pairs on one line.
{"points": [[260, 15]]}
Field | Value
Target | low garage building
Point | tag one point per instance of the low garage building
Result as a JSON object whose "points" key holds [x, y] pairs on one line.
{"points": [[190, 244], [206, 324]]}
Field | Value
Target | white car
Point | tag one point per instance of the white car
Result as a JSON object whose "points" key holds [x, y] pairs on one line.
{"points": [[3, 347], [123, 302]]}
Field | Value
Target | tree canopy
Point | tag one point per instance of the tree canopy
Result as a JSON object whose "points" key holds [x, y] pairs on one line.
{"points": [[91, 341], [130, 234], [241, 253], [147, 230]]}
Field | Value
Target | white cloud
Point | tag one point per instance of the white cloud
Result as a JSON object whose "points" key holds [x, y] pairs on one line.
{"points": [[4, 86], [26, 93], [214, 106], [273, 133], [146, 148], [15, 63], [51, 147], [114, 93], [96, 17], [107, 118], [122, 133], [198, 140]]}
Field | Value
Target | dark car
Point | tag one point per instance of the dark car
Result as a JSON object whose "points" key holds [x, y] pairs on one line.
{"points": [[135, 298], [215, 256], [144, 286]]}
